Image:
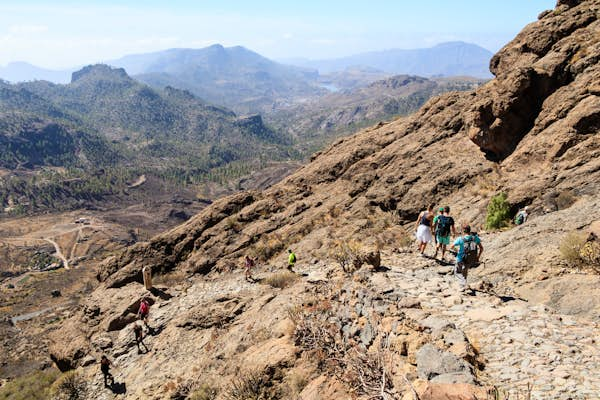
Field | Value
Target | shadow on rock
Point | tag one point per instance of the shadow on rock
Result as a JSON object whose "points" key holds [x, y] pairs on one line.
{"points": [[382, 268], [118, 388], [160, 293]]}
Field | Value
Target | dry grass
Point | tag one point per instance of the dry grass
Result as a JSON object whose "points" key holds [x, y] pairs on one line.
{"points": [[347, 253], [204, 392], [232, 224], [192, 389], [565, 199], [253, 385], [70, 386], [170, 279], [405, 241], [366, 372], [512, 394], [484, 185], [570, 248], [294, 383], [35, 386], [268, 246], [281, 279]]}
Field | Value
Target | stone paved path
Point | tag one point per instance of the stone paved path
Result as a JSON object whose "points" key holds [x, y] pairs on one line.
{"points": [[522, 343]]}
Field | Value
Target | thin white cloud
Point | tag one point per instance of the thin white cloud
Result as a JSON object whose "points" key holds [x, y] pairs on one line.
{"points": [[323, 41], [27, 29]]}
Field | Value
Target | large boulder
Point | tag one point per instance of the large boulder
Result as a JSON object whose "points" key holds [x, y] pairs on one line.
{"points": [[434, 364]]}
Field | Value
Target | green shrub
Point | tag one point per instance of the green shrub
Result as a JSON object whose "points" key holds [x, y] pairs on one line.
{"points": [[498, 212], [35, 386]]}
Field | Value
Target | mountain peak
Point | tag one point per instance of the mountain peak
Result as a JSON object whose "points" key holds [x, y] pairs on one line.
{"points": [[99, 71]]}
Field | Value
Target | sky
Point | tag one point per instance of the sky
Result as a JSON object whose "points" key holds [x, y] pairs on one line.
{"points": [[60, 34]]}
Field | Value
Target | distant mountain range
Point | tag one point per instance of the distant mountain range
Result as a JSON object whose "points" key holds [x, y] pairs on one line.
{"points": [[445, 59], [234, 77], [21, 72], [246, 82]]}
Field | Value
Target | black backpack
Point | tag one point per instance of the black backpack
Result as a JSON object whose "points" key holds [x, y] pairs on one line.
{"points": [[470, 257], [443, 225]]}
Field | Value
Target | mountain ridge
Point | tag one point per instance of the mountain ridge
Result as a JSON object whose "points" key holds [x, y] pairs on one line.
{"points": [[445, 59]]}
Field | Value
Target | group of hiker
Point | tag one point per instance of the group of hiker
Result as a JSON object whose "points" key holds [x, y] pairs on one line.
{"points": [[138, 331], [439, 229]]}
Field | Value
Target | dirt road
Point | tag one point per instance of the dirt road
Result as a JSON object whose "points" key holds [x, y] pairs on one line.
{"points": [[59, 254]]}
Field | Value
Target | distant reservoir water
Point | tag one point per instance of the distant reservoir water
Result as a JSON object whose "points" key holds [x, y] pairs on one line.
{"points": [[331, 87]]}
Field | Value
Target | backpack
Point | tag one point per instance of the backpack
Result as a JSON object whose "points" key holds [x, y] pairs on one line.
{"points": [[519, 218], [470, 249], [143, 308], [443, 225], [293, 257]]}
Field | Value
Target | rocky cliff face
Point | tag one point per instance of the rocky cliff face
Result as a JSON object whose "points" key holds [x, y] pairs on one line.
{"points": [[531, 132]]}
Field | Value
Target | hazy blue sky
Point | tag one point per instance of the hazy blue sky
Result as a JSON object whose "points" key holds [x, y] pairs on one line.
{"points": [[68, 33]]}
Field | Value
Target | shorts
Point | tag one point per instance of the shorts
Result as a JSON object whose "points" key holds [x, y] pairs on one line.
{"points": [[443, 239]]}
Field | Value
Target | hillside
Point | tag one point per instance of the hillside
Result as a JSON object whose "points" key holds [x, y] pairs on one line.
{"points": [[234, 77], [447, 59], [108, 128], [343, 112], [403, 330]]}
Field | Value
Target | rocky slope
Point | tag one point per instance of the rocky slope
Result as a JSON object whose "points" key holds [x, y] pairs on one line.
{"points": [[531, 132]]}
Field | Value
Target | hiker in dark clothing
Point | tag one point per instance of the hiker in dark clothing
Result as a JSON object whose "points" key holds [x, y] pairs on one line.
{"points": [[105, 365], [139, 337], [443, 226]]}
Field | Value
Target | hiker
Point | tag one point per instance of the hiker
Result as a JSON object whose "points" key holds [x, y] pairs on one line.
{"points": [[433, 227], [138, 330], [469, 251], [521, 216], [423, 228], [291, 260], [105, 365], [443, 225], [249, 264], [144, 311]]}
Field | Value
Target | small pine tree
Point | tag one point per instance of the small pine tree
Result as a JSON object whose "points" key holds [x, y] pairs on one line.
{"points": [[498, 212]]}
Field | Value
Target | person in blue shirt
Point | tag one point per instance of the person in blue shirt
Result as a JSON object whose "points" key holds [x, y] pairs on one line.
{"points": [[469, 251]]}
